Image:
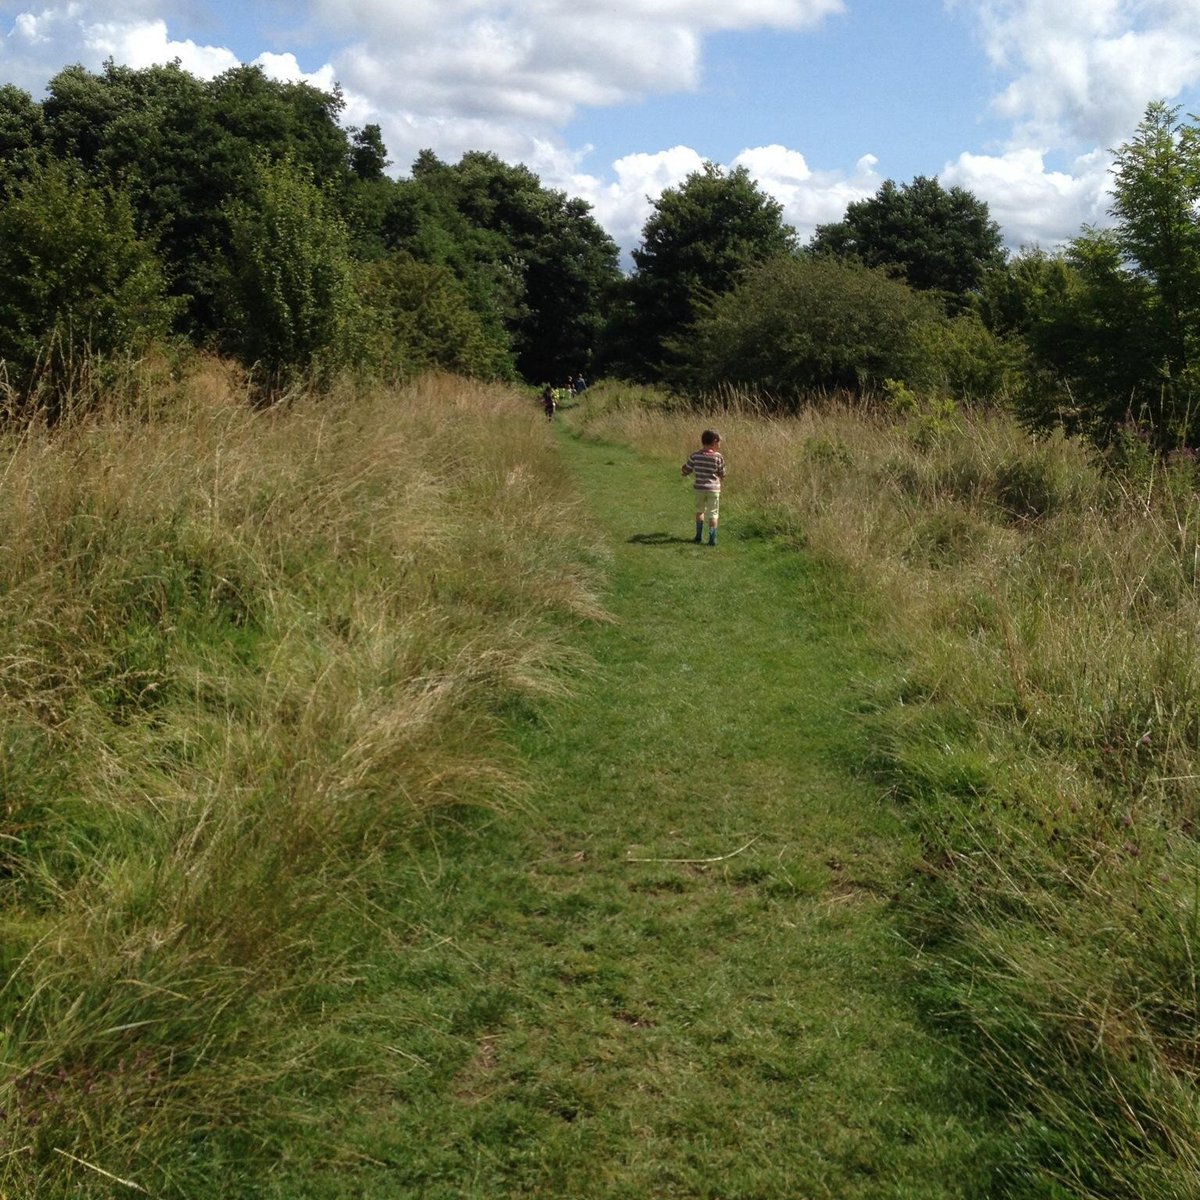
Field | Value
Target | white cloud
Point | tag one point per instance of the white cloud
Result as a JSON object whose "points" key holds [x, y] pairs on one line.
{"points": [[146, 43], [1033, 205], [40, 44], [463, 74], [809, 198], [622, 203], [1086, 69]]}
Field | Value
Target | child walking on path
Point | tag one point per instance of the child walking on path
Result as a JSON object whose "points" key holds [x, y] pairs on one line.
{"points": [[707, 468]]}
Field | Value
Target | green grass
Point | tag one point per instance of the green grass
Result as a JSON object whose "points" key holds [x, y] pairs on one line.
{"points": [[244, 655], [1040, 728], [558, 1018], [355, 846]]}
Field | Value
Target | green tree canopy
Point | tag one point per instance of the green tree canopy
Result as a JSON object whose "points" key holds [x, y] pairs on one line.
{"points": [[1156, 203], [1025, 293], [942, 240], [696, 244], [292, 305], [76, 283], [1114, 323], [794, 326], [529, 255], [186, 148], [22, 131], [421, 317], [368, 156], [192, 158]]}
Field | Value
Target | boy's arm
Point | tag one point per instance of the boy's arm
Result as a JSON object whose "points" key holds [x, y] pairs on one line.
{"points": [[687, 467]]}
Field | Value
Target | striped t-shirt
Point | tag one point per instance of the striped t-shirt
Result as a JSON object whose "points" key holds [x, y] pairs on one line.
{"points": [[707, 467]]}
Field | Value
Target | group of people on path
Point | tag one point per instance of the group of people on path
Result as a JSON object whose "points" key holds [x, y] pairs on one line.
{"points": [[552, 397]]}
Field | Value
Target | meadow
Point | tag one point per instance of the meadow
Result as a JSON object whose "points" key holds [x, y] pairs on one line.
{"points": [[327, 871], [246, 655], [1042, 726]]}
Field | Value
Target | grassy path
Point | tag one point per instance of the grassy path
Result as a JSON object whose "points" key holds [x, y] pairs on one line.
{"points": [[576, 1023]]}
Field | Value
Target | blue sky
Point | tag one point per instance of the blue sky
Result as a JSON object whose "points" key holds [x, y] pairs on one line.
{"points": [[822, 100], [878, 78]]}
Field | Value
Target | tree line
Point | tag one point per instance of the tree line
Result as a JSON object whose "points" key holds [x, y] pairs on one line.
{"points": [[912, 291], [237, 214]]}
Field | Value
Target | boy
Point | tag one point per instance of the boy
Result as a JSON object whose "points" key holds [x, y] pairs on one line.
{"points": [[707, 467]]}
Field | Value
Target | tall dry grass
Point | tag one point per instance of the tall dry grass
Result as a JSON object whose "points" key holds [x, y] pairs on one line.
{"points": [[244, 656], [1043, 721]]}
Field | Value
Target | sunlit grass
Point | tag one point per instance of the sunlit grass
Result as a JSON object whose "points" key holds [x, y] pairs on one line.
{"points": [[1044, 723], [245, 655], [676, 973]]}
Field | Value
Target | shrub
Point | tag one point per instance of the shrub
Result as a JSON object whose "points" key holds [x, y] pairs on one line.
{"points": [[798, 325], [962, 357], [292, 307], [421, 318], [77, 287]]}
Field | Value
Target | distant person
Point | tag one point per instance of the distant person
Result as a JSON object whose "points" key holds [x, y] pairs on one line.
{"points": [[580, 383], [706, 466], [549, 402]]}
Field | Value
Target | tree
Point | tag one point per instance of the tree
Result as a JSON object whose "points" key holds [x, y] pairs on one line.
{"points": [[293, 121], [22, 132], [154, 134], [696, 244], [794, 326], [1099, 340], [368, 155], [529, 254], [570, 269], [942, 241], [78, 110], [1080, 315], [292, 308], [421, 317], [1019, 297], [76, 284], [1114, 324], [185, 149], [1156, 203], [194, 159]]}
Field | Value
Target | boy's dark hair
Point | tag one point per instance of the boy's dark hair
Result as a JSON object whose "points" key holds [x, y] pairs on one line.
{"points": [[709, 436]]}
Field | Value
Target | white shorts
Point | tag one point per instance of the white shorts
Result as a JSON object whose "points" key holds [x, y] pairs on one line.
{"points": [[708, 503]]}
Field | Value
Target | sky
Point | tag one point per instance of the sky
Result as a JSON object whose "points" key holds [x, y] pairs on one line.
{"points": [[1021, 102]]}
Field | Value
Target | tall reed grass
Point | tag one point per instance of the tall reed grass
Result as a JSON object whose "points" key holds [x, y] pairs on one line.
{"points": [[244, 656], [1043, 721]]}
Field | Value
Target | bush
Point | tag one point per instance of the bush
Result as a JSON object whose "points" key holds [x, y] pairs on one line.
{"points": [[76, 286], [798, 325], [422, 318], [962, 357], [292, 308]]}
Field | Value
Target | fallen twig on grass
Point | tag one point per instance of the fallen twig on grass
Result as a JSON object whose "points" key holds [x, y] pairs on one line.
{"points": [[137, 1187], [698, 861]]}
